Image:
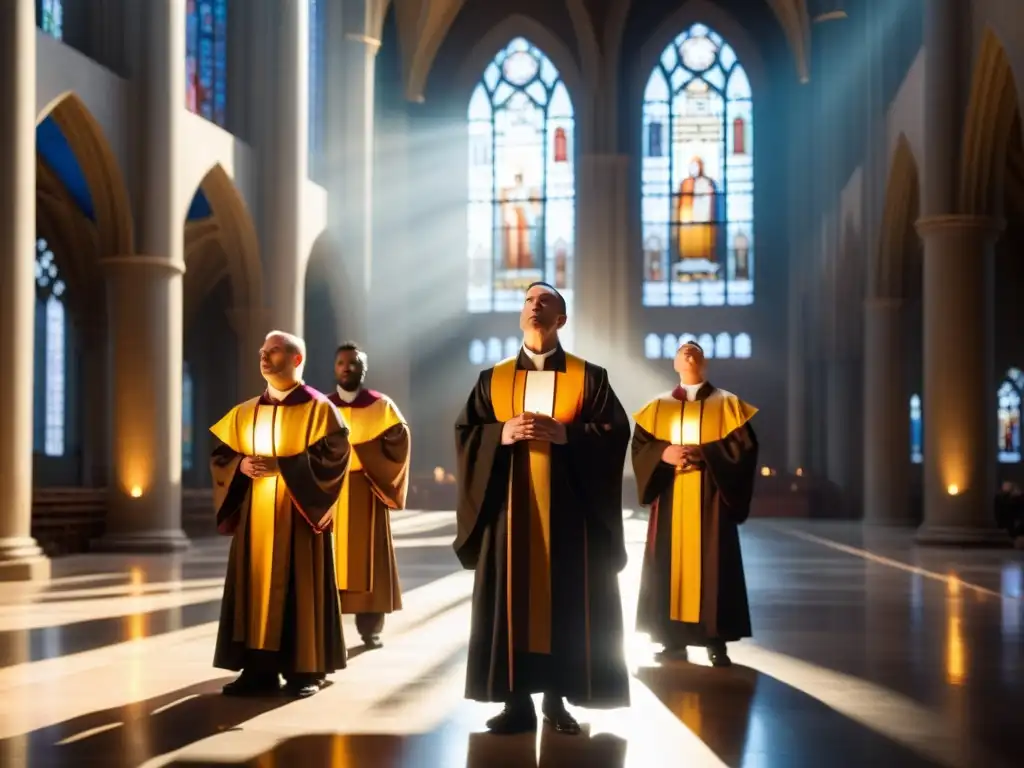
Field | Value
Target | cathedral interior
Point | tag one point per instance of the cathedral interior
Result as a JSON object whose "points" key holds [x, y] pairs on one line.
{"points": [[783, 181]]}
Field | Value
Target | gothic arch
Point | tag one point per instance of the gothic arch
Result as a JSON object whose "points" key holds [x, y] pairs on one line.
{"points": [[422, 29], [990, 118], [518, 25], [892, 268], [689, 13], [109, 196], [222, 244]]}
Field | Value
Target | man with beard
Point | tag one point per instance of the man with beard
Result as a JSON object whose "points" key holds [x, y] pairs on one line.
{"points": [[278, 469], [694, 457], [540, 446], [378, 480]]}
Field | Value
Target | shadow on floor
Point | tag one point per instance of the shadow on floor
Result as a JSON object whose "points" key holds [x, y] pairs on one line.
{"points": [[128, 736], [748, 718]]}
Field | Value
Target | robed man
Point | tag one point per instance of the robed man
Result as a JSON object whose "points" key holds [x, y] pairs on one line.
{"points": [[378, 480], [694, 457], [541, 444], [278, 469]]}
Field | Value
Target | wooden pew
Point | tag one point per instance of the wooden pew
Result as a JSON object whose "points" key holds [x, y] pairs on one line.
{"points": [[65, 520]]}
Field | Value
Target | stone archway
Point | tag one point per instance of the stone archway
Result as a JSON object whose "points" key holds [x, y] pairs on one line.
{"points": [[83, 216]]}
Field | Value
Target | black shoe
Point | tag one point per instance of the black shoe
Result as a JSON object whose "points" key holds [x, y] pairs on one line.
{"points": [[304, 686], [718, 656], [253, 684], [514, 719], [372, 642], [556, 715]]}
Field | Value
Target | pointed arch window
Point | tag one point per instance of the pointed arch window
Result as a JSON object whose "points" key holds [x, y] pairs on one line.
{"points": [[187, 418], [206, 59], [522, 194], [916, 430], [317, 78], [1008, 415], [50, 355], [51, 18], [697, 177]]}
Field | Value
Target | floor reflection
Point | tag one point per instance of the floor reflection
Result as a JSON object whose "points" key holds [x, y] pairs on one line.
{"points": [[748, 718]]}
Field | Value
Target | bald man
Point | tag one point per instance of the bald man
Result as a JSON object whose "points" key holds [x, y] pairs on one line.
{"points": [[278, 469], [694, 457]]}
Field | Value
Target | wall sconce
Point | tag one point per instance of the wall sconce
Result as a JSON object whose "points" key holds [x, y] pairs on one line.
{"points": [[952, 489], [767, 472], [439, 475], [799, 472], [136, 491]]}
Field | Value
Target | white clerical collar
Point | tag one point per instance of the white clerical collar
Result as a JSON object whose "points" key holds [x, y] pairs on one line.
{"points": [[691, 390], [279, 394], [346, 396], [538, 358]]}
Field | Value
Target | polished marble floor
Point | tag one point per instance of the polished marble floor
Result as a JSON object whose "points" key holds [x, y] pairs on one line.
{"points": [[867, 652]]}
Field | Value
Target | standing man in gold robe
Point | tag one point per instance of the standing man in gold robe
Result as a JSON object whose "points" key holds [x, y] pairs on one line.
{"points": [[540, 448], [694, 457], [278, 469], [378, 481]]}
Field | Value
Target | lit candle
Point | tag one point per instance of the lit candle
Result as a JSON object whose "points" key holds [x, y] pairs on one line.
{"points": [[952, 489], [136, 491]]}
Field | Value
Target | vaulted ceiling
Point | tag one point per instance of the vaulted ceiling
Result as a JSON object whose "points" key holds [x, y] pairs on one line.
{"points": [[424, 24]]}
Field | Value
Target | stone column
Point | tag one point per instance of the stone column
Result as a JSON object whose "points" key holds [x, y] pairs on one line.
{"points": [[886, 423], [959, 396], [20, 556], [604, 329], [354, 28], [144, 311], [285, 154]]}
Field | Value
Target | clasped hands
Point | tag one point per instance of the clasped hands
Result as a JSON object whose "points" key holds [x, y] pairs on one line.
{"points": [[533, 426], [683, 456], [259, 466]]}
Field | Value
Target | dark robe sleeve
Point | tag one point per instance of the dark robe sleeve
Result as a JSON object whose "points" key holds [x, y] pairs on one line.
{"points": [[595, 452], [385, 461], [732, 464], [482, 470], [230, 487], [653, 476], [315, 476]]}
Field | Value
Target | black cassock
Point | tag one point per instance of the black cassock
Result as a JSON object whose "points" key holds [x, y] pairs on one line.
{"points": [[721, 503], [586, 662]]}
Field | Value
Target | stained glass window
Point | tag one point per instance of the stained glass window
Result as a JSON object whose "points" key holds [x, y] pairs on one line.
{"points": [[187, 418], [51, 19], [697, 177], [51, 357], [722, 345], [317, 70], [522, 209], [1008, 415], [206, 57], [493, 350], [916, 430]]}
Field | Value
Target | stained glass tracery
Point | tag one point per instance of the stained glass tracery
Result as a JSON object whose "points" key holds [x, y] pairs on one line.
{"points": [[206, 56], [522, 208], [52, 18], [697, 178], [1008, 415], [51, 358]]}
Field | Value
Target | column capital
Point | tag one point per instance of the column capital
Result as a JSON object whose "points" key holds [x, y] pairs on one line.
{"points": [[140, 262], [985, 226]]}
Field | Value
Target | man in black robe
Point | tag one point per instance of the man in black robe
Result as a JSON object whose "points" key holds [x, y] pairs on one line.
{"points": [[694, 457], [541, 444], [278, 469]]}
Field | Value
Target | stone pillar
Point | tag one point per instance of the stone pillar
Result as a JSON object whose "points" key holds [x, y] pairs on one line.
{"points": [[285, 155], [959, 397], [354, 39], [886, 420], [20, 556], [144, 311], [603, 328]]}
